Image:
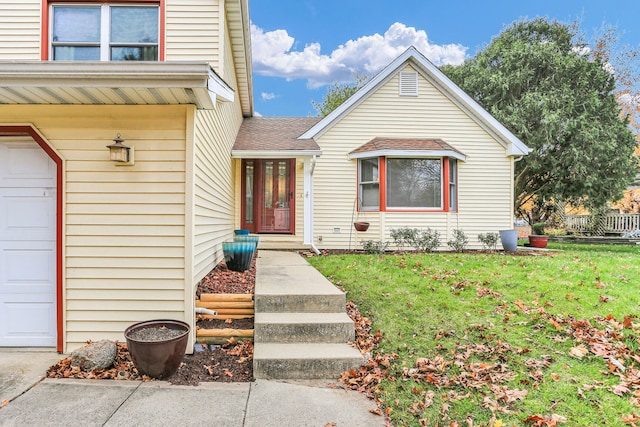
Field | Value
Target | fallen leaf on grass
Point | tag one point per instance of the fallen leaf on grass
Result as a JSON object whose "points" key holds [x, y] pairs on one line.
{"points": [[620, 389], [555, 377], [631, 418], [549, 421], [579, 351], [627, 323], [555, 324]]}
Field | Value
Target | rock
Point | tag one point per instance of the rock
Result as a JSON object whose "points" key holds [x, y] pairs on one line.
{"points": [[97, 355]]}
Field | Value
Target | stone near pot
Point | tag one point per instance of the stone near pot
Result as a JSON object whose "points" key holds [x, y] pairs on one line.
{"points": [[157, 346], [97, 355]]}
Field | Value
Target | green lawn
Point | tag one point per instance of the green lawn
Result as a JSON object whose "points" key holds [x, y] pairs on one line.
{"points": [[498, 339]]}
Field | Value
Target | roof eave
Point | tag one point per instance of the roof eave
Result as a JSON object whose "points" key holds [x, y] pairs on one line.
{"points": [[408, 153], [274, 154], [198, 77]]}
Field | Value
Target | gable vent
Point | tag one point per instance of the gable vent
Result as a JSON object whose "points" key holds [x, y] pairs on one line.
{"points": [[408, 83]]}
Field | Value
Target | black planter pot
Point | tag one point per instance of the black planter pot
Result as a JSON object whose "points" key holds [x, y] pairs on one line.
{"points": [[238, 255], [159, 358]]}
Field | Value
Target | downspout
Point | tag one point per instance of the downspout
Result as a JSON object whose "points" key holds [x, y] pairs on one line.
{"points": [[313, 167], [202, 310]]}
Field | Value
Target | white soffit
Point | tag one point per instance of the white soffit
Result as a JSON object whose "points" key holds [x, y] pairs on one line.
{"points": [[112, 83]]}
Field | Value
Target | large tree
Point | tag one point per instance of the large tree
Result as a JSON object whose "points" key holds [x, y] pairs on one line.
{"points": [[337, 94], [558, 97]]}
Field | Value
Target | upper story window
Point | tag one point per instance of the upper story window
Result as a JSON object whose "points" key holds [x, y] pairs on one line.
{"points": [[104, 32]]}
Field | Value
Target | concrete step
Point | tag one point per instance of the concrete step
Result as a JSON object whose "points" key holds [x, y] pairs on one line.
{"points": [[287, 283], [303, 361], [303, 327], [299, 303]]}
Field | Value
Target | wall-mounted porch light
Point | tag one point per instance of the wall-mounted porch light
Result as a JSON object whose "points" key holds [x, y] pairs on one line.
{"points": [[120, 153]]}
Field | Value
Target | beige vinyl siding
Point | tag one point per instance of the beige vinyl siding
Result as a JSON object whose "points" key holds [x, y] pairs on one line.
{"points": [[194, 30], [214, 202], [484, 180], [124, 226], [20, 29]]}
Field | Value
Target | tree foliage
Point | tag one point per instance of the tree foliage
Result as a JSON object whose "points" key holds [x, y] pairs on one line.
{"points": [[337, 94], [558, 97]]}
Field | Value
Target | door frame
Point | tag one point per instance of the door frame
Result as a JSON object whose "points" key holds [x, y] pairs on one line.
{"points": [[258, 191], [29, 131]]}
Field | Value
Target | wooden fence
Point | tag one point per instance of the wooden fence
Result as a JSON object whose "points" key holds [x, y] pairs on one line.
{"points": [[610, 224]]}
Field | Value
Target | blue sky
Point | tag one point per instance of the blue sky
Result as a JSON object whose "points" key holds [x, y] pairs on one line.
{"points": [[301, 46]]}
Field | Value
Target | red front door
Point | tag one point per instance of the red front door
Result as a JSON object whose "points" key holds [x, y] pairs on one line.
{"points": [[268, 198]]}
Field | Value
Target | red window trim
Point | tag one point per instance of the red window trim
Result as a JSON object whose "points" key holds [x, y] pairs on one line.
{"points": [[44, 48], [382, 176]]}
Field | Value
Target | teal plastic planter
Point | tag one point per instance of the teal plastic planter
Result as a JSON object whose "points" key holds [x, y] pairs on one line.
{"points": [[238, 255]]}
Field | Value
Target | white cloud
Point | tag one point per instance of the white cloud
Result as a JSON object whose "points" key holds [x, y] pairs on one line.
{"points": [[273, 55], [267, 96]]}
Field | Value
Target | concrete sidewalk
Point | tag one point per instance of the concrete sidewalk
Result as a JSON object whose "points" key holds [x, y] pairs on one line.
{"points": [[69, 402]]}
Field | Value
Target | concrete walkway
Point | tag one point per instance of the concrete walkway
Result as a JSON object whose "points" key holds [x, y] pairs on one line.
{"points": [[69, 402], [31, 400]]}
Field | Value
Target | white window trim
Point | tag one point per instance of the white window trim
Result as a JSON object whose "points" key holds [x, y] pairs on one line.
{"points": [[361, 207], [411, 208]]}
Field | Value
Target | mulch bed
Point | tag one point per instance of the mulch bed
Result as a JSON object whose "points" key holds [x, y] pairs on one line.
{"points": [[231, 362]]}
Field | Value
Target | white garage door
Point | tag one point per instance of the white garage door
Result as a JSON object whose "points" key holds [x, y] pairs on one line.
{"points": [[27, 246]]}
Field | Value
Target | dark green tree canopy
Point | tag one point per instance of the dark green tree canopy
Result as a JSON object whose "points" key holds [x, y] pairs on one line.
{"points": [[558, 98]]}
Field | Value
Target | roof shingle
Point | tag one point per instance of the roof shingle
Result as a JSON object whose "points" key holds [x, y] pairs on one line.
{"points": [[275, 134]]}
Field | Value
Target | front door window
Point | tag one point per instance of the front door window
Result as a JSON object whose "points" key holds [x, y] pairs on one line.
{"points": [[268, 196]]}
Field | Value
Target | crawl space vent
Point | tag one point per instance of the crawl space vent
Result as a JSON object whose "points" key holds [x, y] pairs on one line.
{"points": [[408, 83]]}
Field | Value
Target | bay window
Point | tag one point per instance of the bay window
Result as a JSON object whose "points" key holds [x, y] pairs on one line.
{"points": [[104, 32]]}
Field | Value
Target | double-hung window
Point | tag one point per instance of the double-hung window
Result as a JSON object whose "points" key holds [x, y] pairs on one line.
{"points": [[369, 184], [104, 32]]}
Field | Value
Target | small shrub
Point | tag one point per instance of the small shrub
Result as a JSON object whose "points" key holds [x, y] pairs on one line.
{"points": [[459, 241], [374, 246], [538, 228], [555, 231], [427, 240], [403, 236], [489, 240]]}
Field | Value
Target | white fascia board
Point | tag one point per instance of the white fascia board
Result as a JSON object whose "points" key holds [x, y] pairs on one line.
{"points": [[274, 154], [408, 154], [220, 88]]}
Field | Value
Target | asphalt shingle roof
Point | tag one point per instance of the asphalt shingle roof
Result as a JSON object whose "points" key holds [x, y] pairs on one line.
{"points": [[275, 133], [404, 144]]}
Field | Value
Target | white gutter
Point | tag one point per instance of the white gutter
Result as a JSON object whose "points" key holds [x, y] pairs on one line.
{"points": [[273, 154], [408, 153]]}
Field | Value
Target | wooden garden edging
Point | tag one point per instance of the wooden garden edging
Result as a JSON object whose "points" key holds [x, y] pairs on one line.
{"points": [[228, 306]]}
